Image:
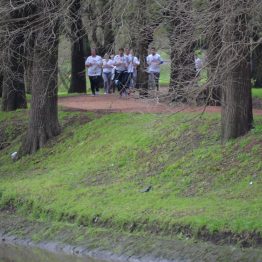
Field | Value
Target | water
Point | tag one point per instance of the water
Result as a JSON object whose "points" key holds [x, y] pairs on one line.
{"points": [[13, 253]]}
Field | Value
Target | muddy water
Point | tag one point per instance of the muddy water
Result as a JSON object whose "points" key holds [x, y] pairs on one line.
{"points": [[13, 253]]}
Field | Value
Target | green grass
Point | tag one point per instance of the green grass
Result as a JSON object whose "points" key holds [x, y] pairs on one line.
{"points": [[257, 92], [96, 171]]}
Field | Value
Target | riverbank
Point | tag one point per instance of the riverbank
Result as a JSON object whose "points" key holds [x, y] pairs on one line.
{"points": [[108, 245], [152, 175]]}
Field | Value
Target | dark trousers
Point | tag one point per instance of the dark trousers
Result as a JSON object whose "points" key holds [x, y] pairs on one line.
{"points": [[154, 80], [95, 82], [120, 80], [129, 80]]}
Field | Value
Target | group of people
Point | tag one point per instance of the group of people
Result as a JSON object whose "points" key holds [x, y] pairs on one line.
{"points": [[120, 71]]}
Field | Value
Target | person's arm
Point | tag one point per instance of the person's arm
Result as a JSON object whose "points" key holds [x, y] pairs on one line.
{"points": [[160, 60], [136, 62], [111, 64], [148, 60], [87, 63], [99, 62]]}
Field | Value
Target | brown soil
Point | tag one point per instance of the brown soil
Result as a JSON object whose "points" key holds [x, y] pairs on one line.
{"points": [[114, 103]]}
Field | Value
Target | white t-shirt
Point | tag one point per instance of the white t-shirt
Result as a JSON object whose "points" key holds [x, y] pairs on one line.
{"points": [[96, 68], [154, 62], [108, 66], [198, 63], [121, 62], [133, 63]]}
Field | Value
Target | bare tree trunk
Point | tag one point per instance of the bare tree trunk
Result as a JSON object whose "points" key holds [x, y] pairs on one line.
{"points": [[144, 27], [1, 83], [257, 65], [28, 75], [43, 122], [214, 91], [142, 75], [100, 17], [236, 94], [181, 37], [13, 94], [78, 77]]}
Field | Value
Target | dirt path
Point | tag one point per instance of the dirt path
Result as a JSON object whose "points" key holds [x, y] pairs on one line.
{"points": [[113, 103]]}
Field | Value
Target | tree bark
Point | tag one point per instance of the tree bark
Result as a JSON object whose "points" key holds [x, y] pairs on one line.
{"points": [[257, 65], [101, 19], [181, 31], [214, 89], [43, 120], [78, 77], [13, 94], [1, 83], [236, 93], [144, 27], [28, 76]]}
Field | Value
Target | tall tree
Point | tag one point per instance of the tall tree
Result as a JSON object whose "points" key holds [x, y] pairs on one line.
{"points": [[214, 89], [181, 35], [257, 62], [100, 16], [236, 93], [145, 19], [43, 120], [78, 78], [1, 83], [13, 94]]}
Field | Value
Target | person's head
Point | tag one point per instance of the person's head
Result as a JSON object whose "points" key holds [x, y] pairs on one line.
{"points": [[93, 52], [121, 51], [112, 56], [131, 52], [153, 50], [106, 56], [127, 51]]}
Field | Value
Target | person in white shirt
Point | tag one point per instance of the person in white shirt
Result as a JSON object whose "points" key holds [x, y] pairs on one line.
{"points": [[94, 71], [121, 64], [154, 61], [108, 65], [198, 65], [132, 70]]}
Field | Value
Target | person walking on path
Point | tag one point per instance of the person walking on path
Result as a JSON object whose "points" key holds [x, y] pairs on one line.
{"points": [[154, 61], [108, 65], [94, 71], [121, 64], [132, 70]]}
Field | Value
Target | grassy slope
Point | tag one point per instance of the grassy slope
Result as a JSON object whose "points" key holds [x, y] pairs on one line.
{"points": [[97, 170]]}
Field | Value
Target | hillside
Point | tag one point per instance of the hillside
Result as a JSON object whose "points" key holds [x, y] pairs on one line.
{"points": [[99, 170]]}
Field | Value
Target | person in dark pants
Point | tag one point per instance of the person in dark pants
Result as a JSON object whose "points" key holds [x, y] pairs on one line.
{"points": [[154, 61], [94, 65], [121, 64]]}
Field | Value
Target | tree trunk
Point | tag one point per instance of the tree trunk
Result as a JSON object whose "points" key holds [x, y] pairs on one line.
{"points": [[236, 93], [144, 34], [1, 83], [28, 75], [181, 31], [13, 94], [257, 66], [214, 89], [237, 102], [101, 19], [142, 75], [78, 77], [43, 121]]}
